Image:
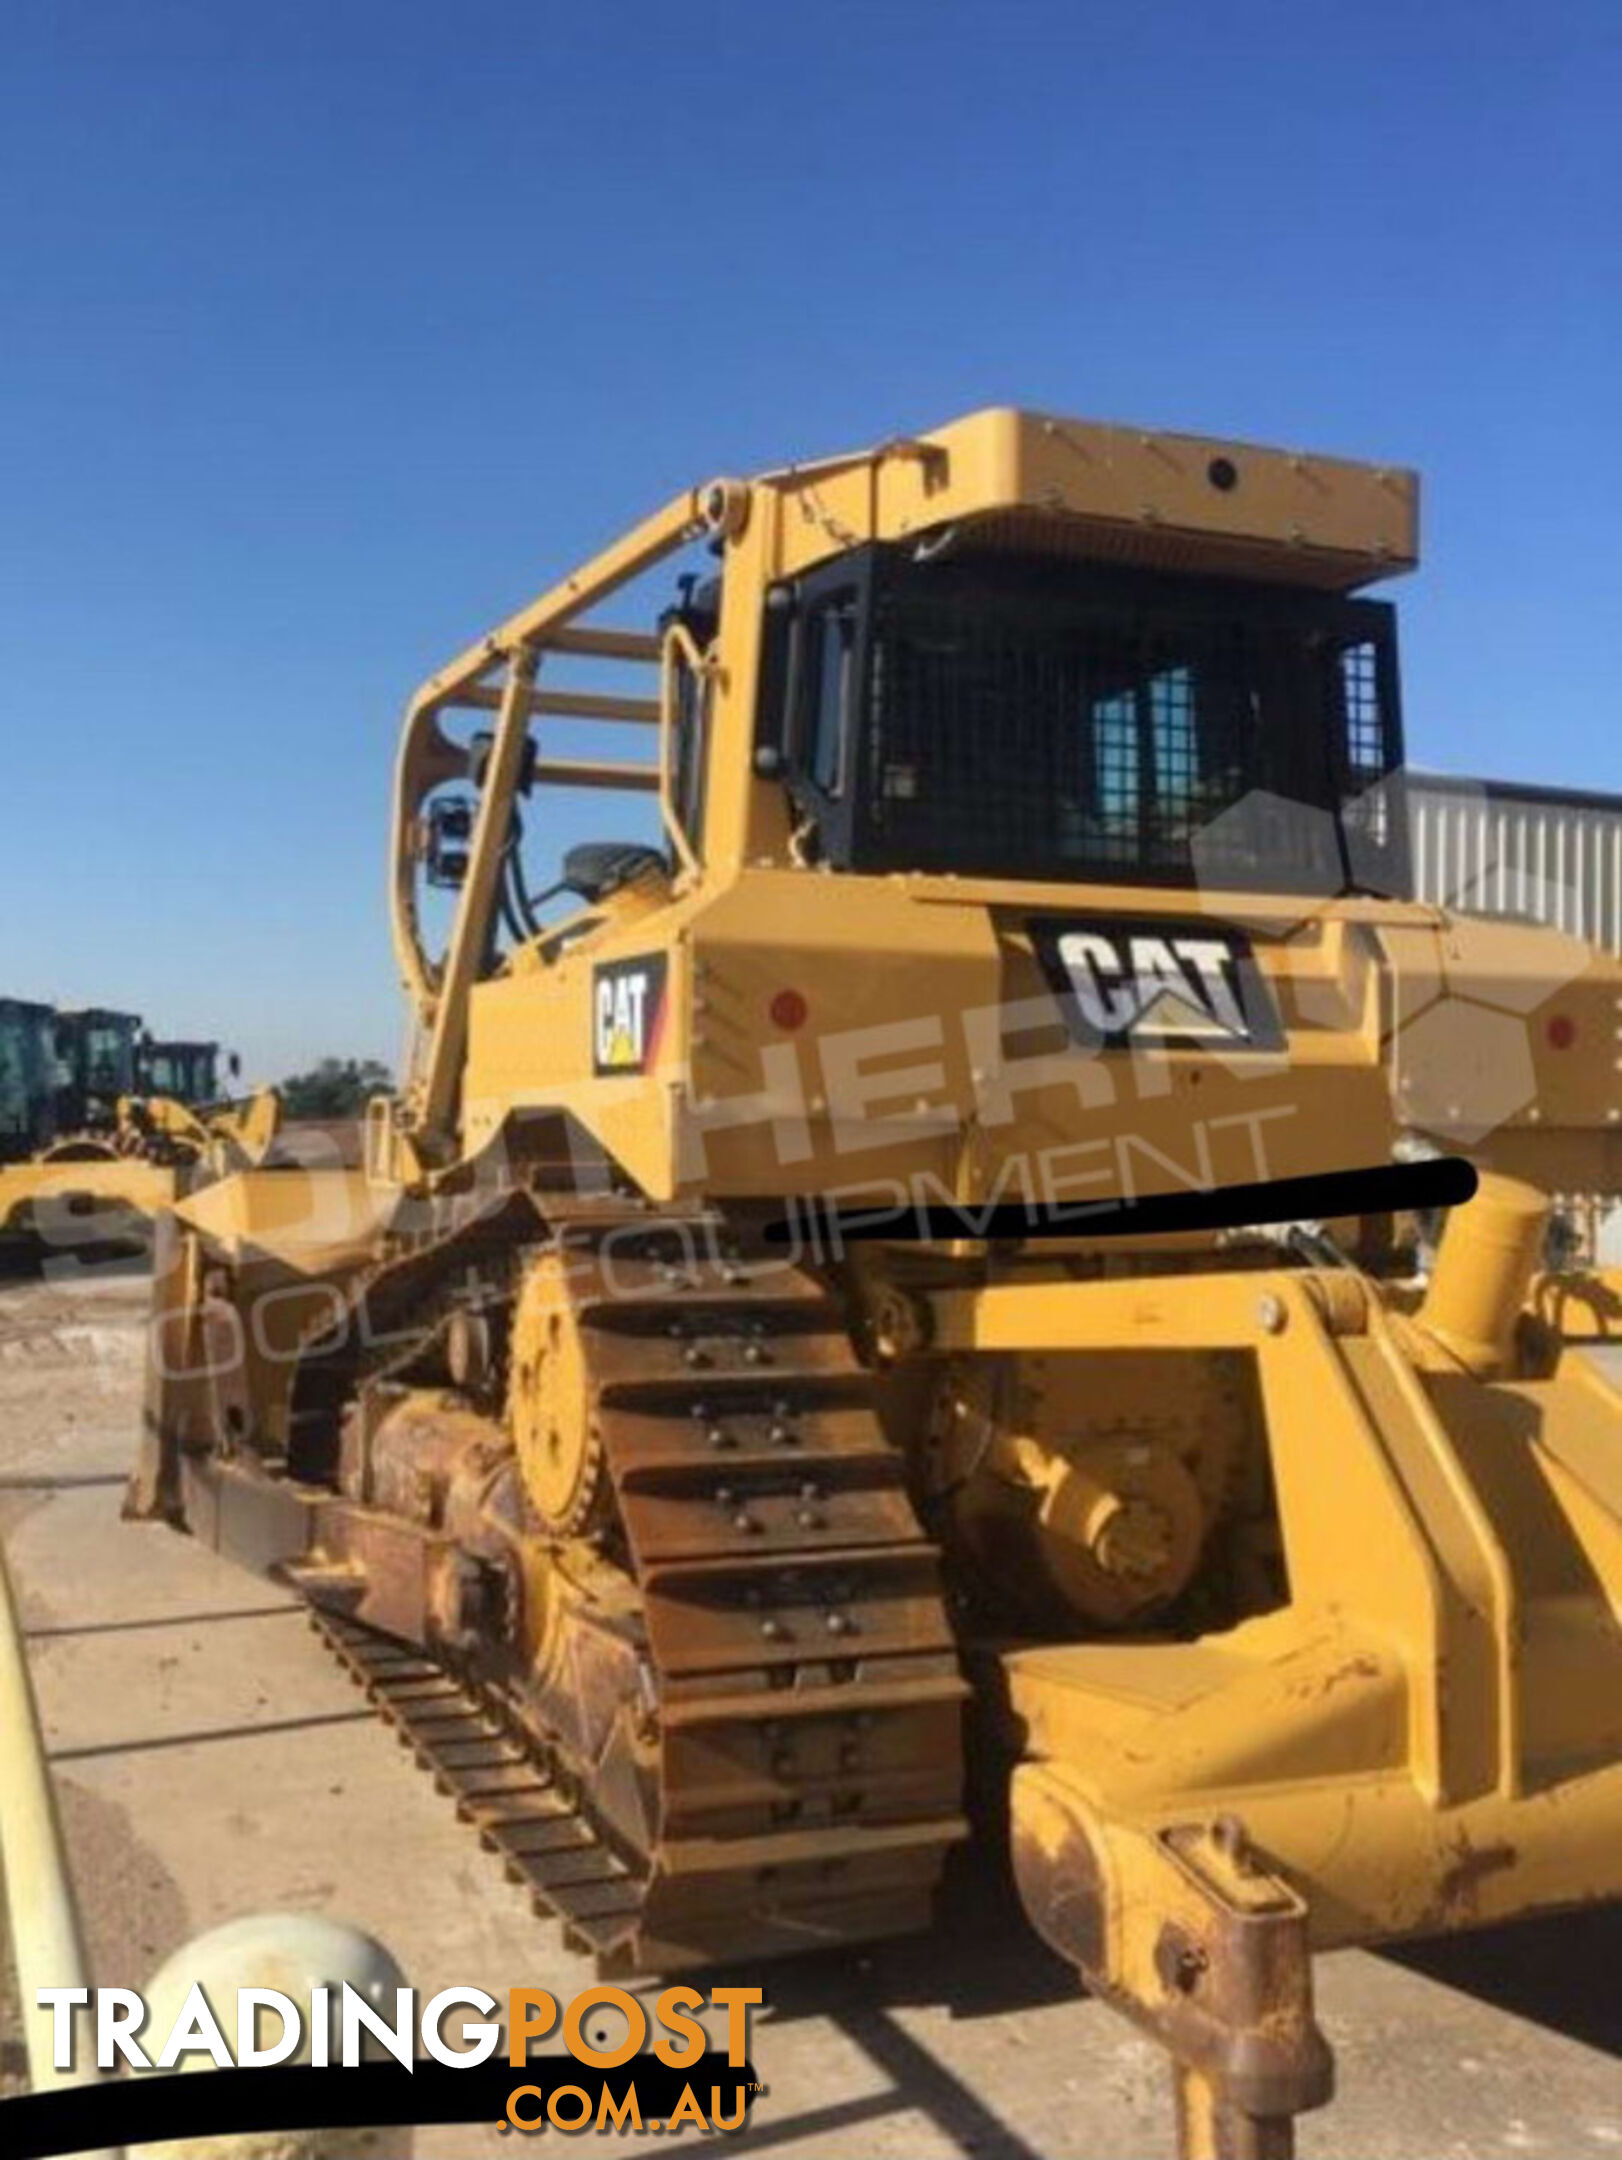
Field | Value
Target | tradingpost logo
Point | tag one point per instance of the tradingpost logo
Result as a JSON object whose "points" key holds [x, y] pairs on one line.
{"points": [[618, 2061]]}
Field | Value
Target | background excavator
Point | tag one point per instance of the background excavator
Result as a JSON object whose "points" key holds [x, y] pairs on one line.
{"points": [[664, 1426]]}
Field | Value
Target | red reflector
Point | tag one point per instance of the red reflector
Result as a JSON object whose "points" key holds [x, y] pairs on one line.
{"points": [[1561, 1032], [788, 1009]]}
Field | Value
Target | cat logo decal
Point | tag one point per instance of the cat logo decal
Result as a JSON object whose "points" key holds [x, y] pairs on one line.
{"points": [[627, 1014], [1157, 982]]}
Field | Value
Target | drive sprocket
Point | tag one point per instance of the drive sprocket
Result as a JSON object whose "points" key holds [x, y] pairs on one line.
{"points": [[549, 1407]]}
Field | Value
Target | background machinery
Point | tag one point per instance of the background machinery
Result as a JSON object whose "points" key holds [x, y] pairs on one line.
{"points": [[27, 1076], [98, 1056], [102, 1125], [1026, 836]]}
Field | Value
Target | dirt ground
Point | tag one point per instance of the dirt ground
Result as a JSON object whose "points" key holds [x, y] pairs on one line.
{"points": [[211, 1761]]}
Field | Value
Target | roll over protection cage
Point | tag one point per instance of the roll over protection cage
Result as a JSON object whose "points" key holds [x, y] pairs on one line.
{"points": [[500, 674]]}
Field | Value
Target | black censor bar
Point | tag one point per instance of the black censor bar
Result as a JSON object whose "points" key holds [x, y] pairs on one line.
{"points": [[1383, 1189], [135, 2111]]}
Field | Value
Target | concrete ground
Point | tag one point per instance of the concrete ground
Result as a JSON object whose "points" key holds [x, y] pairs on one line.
{"points": [[13, 2056], [212, 1761]]}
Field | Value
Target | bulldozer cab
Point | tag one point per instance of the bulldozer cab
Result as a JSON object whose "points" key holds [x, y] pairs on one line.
{"points": [[1026, 738], [974, 712], [1022, 654]]}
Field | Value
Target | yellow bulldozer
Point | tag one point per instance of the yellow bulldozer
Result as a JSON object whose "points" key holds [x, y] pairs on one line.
{"points": [[961, 1226]]}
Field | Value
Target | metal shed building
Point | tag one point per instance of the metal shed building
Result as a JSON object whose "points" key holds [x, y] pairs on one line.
{"points": [[1492, 847]]}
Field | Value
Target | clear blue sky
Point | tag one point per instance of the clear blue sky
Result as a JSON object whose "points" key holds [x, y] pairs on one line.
{"points": [[333, 327]]}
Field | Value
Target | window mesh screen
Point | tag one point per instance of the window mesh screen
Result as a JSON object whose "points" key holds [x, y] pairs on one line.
{"points": [[1365, 725], [1003, 741], [1014, 716], [1366, 800]]}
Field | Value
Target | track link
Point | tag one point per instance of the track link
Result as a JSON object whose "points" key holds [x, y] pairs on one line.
{"points": [[804, 1674], [753, 1746], [547, 1845]]}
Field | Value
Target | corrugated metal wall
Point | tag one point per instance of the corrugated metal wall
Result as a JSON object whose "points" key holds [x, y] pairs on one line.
{"points": [[1490, 848]]}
